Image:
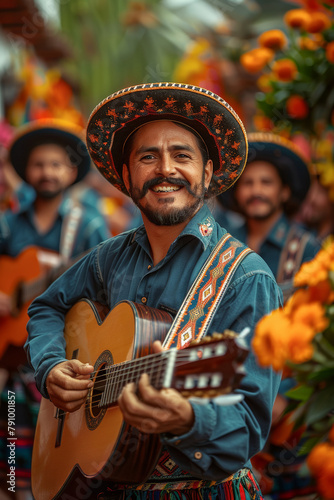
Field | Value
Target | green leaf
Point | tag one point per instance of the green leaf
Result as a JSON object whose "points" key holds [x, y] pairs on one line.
{"points": [[324, 373], [321, 405], [306, 447], [300, 393]]}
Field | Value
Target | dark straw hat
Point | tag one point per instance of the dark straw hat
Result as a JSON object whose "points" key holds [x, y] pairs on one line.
{"points": [[207, 114], [285, 156], [47, 131]]}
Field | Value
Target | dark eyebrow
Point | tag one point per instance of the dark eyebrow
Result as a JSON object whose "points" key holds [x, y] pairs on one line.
{"points": [[174, 147]]}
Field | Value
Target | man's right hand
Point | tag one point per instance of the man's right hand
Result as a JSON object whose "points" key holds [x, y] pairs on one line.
{"points": [[68, 383]]}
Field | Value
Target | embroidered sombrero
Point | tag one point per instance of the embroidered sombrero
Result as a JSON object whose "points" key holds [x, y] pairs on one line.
{"points": [[117, 116], [285, 156], [45, 131]]}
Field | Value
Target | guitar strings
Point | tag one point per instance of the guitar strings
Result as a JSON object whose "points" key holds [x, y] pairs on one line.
{"points": [[124, 366], [111, 394]]}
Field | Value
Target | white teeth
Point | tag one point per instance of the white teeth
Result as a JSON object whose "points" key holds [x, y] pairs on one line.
{"points": [[165, 189]]}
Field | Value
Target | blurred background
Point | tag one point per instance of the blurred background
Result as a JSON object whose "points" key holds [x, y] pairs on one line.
{"points": [[62, 57]]}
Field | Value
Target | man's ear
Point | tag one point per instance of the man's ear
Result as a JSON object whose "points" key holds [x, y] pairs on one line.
{"points": [[208, 171], [126, 176]]}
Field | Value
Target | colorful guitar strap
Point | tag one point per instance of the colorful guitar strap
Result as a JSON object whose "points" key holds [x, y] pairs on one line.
{"points": [[198, 308]]}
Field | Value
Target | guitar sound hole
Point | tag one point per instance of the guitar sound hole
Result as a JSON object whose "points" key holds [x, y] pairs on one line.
{"points": [[95, 408], [98, 389]]}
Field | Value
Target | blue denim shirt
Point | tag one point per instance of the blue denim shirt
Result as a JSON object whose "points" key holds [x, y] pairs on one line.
{"points": [[18, 230], [274, 243], [122, 268]]}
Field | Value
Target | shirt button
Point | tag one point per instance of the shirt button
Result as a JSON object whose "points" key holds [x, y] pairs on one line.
{"points": [[144, 300], [177, 442], [149, 266], [198, 455]]}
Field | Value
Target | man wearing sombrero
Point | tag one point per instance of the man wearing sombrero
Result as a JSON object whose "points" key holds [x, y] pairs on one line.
{"points": [[269, 193], [50, 156], [170, 147], [272, 188]]}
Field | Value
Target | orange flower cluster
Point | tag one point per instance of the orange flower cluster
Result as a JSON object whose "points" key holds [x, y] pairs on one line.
{"points": [[296, 70], [321, 464], [255, 60], [286, 335], [317, 270]]}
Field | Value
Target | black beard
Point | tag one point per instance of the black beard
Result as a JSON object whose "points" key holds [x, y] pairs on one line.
{"points": [[48, 195], [265, 216], [174, 216]]}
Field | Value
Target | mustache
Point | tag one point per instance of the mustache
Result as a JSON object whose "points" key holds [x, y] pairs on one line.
{"points": [[257, 198], [169, 180]]}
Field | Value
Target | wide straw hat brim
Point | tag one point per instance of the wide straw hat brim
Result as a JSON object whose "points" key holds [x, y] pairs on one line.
{"points": [[207, 114], [48, 131]]}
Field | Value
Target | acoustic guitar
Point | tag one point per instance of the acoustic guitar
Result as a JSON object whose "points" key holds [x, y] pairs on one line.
{"points": [[75, 453], [23, 278]]}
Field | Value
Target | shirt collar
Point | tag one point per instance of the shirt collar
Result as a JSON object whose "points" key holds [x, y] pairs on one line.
{"points": [[279, 232], [64, 208], [201, 226]]}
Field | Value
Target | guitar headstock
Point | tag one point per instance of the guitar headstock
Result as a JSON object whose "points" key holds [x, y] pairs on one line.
{"points": [[211, 366]]}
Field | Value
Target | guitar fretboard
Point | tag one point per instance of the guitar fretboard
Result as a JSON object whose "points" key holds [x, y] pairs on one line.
{"points": [[119, 375]]}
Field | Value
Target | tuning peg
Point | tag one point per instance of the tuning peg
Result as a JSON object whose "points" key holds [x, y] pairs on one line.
{"points": [[194, 342], [217, 336], [198, 394], [212, 393], [230, 334]]}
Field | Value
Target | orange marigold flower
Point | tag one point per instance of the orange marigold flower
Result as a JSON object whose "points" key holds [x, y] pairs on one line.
{"points": [[330, 52], [301, 296], [264, 83], [312, 315], [297, 107], [270, 342], [300, 342], [321, 292], [263, 123], [297, 18], [319, 22], [285, 70], [256, 59], [273, 39], [315, 271], [318, 457], [306, 43], [325, 483]]}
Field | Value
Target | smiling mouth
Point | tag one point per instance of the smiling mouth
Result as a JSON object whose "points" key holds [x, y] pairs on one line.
{"points": [[165, 189]]}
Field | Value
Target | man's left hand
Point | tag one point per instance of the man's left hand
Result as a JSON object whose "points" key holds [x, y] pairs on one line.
{"points": [[153, 411]]}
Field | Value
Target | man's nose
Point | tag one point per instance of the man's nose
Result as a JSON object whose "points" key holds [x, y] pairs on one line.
{"points": [[166, 166]]}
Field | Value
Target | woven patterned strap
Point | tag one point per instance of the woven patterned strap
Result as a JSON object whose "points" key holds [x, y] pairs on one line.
{"points": [[198, 309], [69, 231]]}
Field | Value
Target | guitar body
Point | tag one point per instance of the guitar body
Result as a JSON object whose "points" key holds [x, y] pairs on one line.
{"points": [[75, 452], [25, 268]]}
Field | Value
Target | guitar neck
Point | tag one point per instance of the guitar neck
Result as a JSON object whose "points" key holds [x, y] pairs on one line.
{"points": [[112, 379]]}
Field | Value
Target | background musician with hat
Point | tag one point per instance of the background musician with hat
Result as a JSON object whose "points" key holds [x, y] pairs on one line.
{"points": [[271, 190], [36, 241]]}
